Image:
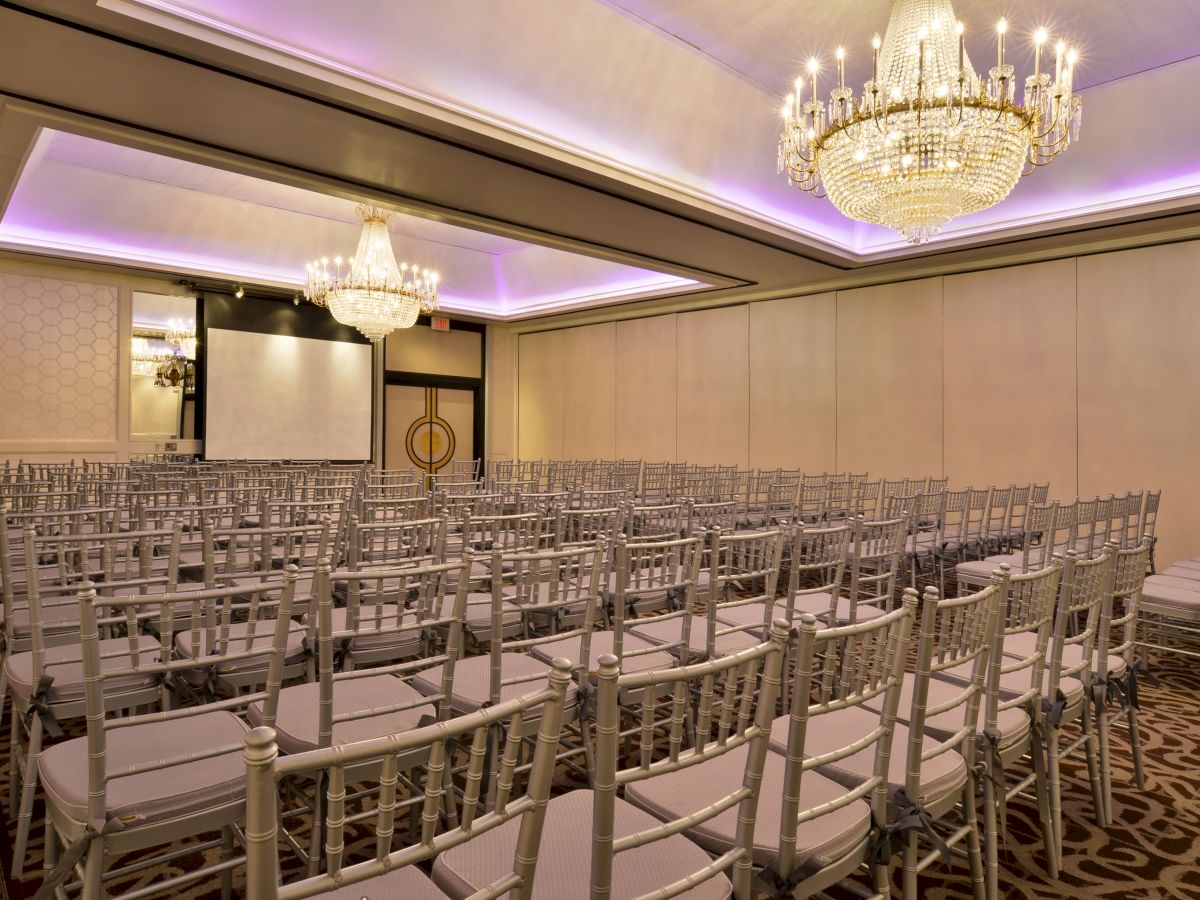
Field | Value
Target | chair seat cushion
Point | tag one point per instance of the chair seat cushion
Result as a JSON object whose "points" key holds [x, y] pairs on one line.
{"points": [[160, 794], [478, 615], [1022, 646], [1156, 594], [373, 619], [602, 643], [980, 570], [666, 630], [819, 840], [1187, 571], [68, 676], [264, 635], [408, 883], [818, 603], [472, 680], [940, 775], [564, 858], [1011, 724], [56, 618], [297, 722], [1014, 684]]}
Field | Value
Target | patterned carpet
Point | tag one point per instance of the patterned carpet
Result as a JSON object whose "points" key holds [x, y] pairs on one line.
{"points": [[1151, 851]]}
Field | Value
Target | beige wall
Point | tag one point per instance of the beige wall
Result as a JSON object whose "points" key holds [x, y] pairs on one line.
{"points": [[1084, 372], [64, 362]]}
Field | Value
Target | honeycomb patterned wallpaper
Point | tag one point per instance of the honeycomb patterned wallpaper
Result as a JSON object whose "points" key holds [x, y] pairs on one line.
{"points": [[58, 359]]}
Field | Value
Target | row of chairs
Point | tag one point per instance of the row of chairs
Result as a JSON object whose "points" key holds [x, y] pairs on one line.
{"points": [[835, 803]]}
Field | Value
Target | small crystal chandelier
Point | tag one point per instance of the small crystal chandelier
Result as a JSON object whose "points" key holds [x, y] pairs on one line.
{"points": [[369, 291], [929, 140], [181, 336], [145, 359]]}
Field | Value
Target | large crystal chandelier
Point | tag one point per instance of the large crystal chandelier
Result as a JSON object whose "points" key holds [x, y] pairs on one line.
{"points": [[929, 139], [369, 291]]}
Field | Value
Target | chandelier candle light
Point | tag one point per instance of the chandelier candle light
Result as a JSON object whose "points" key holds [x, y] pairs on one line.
{"points": [[369, 291], [929, 139]]}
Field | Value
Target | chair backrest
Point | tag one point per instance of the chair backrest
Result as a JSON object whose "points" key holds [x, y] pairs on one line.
{"points": [[704, 516], [655, 523], [838, 668], [1084, 591], [736, 703], [396, 542], [1027, 608], [586, 525], [266, 769], [955, 633], [1118, 622], [743, 571], [874, 563], [816, 562]]}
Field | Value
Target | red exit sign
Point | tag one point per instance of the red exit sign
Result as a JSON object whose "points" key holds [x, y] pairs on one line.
{"points": [[439, 323]]}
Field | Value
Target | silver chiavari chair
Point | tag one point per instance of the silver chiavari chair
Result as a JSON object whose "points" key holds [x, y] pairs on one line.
{"points": [[145, 780], [393, 872]]}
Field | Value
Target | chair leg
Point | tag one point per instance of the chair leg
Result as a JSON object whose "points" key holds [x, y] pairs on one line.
{"points": [[318, 826], [1054, 795], [28, 791], [1042, 789], [910, 864], [93, 870], [1102, 729], [991, 844], [226, 854], [14, 778], [974, 856], [1092, 752]]}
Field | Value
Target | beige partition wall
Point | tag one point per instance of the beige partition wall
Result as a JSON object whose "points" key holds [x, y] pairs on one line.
{"points": [[889, 379], [1139, 383], [712, 420], [540, 395], [1084, 372], [646, 388], [793, 383], [590, 392], [1009, 350]]}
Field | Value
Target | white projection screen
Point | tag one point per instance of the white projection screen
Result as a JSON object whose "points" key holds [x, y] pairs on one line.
{"points": [[271, 396]]}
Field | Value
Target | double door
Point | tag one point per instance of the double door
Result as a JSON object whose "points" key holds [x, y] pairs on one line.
{"points": [[428, 427]]}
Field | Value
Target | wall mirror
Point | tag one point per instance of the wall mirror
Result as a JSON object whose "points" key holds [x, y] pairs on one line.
{"points": [[162, 383]]}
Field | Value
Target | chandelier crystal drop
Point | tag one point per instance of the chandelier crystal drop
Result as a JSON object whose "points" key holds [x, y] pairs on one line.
{"points": [[929, 140], [181, 335], [370, 291]]}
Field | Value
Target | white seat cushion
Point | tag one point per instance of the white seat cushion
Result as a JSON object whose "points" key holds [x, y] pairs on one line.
{"points": [[820, 839], [160, 794], [472, 680], [828, 732], [408, 883], [68, 676], [602, 643], [564, 858], [1012, 724], [297, 720], [264, 635], [669, 630]]}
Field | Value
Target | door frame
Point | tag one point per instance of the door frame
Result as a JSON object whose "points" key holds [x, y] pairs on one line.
{"points": [[450, 382]]}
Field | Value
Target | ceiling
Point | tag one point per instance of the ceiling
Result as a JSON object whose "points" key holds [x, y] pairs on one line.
{"points": [[108, 200], [769, 41], [546, 154]]}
